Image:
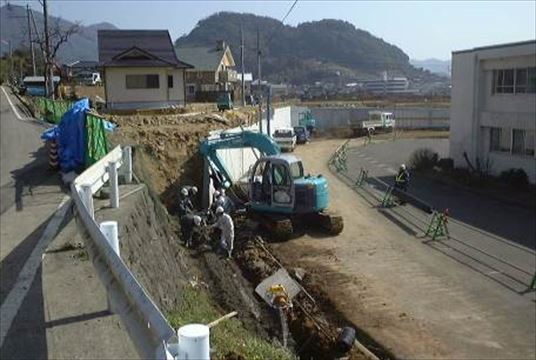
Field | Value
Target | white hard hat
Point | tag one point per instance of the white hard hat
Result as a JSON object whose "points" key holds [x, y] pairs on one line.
{"points": [[222, 191], [219, 210], [184, 191], [216, 193], [194, 190], [197, 220], [403, 166]]}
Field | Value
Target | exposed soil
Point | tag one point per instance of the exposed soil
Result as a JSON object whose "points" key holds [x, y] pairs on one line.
{"points": [[166, 158]]}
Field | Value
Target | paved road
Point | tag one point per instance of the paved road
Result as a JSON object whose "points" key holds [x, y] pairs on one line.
{"points": [[52, 304], [493, 238], [413, 299]]}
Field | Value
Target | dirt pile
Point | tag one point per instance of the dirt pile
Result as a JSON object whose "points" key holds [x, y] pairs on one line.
{"points": [[166, 146], [313, 329]]}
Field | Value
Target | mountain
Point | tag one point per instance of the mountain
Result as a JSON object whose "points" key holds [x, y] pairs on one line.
{"points": [[436, 66], [81, 46], [326, 50]]}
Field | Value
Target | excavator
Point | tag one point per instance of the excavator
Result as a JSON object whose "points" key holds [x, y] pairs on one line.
{"points": [[278, 192]]}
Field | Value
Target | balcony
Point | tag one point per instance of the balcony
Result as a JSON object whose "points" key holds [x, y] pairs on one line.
{"points": [[226, 76]]}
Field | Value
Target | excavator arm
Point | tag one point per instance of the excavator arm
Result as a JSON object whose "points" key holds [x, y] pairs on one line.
{"points": [[235, 140]]}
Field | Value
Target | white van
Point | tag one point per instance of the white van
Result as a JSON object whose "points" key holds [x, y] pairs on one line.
{"points": [[285, 138]]}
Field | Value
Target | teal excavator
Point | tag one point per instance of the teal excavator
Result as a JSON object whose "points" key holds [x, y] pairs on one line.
{"points": [[278, 191]]}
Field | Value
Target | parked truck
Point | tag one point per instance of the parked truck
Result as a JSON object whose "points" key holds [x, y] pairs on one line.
{"points": [[377, 121], [285, 138]]}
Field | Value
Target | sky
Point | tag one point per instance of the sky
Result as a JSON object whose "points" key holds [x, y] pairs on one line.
{"points": [[422, 29]]}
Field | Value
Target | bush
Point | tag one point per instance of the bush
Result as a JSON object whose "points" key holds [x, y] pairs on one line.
{"points": [[514, 177], [446, 164], [423, 159]]}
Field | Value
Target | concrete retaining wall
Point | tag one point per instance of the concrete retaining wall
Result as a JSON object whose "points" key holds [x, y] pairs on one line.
{"points": [[407, 118]]}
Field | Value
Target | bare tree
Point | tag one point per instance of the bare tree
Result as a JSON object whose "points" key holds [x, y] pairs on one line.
{"points": [[54, 37]]}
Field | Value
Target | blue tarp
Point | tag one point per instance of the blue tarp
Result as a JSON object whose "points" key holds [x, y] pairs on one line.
{"points": [[71, 136]]}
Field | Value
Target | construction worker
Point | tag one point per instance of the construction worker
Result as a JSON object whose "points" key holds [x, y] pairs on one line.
{"points": [[225, 202], [225, 223], [185, 205], [191, 193], [190, 225], [402, 178]]}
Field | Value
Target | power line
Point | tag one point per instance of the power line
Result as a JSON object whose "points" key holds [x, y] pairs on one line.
{"points": [[282, 23]]}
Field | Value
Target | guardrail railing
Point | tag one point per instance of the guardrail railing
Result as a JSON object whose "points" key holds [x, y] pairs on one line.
{"points": [[146, 325]]}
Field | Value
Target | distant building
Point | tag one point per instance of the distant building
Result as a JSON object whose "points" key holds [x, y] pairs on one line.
{"points": [[493, 110], [81, 67], [387, 85], [212, 73], [141, 69]]}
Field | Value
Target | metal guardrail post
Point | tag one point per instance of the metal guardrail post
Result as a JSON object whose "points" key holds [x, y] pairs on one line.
{"points": [[127, 163], [362, 177], [114, 185], [532, 285], [110, 231], [87, 198]]}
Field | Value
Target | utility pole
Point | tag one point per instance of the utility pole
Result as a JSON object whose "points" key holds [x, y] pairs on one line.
{"points": [[268, 100], [30, 39], [242, 64], [259, 88], [49, 73]]}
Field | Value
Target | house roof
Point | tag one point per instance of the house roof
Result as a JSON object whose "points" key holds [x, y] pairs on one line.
{"points": [[202, 58], [83, 64], [137, 48]]}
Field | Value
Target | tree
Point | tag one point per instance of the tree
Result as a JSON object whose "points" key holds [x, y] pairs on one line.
{"points": [[54, 37]]}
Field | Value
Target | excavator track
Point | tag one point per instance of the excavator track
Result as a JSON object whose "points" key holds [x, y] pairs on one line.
{"points": [[279, 226], [332, 223]]}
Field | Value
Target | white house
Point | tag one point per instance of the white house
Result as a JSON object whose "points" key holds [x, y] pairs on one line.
{"points": [[141, 69], [493, 110]]}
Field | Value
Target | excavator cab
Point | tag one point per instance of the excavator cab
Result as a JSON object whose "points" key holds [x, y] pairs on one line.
{"points": [[277, 184]]}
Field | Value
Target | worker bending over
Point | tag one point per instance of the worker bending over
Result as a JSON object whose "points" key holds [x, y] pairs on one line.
{"points": [[224, 222], [190, 227]]}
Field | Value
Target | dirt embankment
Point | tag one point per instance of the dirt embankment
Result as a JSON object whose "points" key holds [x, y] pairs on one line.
{"points": [[166, 146], [166, 158]]}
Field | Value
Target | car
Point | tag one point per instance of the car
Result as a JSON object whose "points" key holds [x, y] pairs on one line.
{"points": [[285, 138], [302, 134]]}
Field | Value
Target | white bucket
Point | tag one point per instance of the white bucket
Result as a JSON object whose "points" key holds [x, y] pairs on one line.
{"points": [[194, 342]]}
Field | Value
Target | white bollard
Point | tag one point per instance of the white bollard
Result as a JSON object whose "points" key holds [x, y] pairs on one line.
{"points": [[110, 232], [114, 185], [194, 342], [87, 198], [127, 163]]}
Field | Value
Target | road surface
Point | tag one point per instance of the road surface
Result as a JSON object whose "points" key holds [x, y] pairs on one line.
{"points": [[414, 300], [52, 304]]}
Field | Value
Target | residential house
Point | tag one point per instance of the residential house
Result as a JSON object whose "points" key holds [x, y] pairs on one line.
{"points": [[212, 72], [141, 69], [493, 108]]}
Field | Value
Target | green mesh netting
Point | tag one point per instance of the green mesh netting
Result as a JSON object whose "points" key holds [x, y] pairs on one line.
{"points": [[53, 110], [96, 143]]}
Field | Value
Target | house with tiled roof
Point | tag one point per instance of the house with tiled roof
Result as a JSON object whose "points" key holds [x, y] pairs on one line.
{"points": [[212, 73], [141, 69]]}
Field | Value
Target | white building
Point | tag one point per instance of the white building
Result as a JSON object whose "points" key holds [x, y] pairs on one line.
{"points": [[493, 111], [387, 86], [141, 69]]}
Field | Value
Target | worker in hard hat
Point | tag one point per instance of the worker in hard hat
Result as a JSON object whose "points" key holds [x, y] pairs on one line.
{"points": [[402, 182], [225, 202], [190, 227], [224, 222], [185, 204]]}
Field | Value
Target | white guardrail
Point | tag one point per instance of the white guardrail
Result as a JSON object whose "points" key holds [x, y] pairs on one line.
{"points": [[147, 327]]}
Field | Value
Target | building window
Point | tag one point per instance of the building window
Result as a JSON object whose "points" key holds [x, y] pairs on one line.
{"points": [[150, 81], [499, 140], [514, 81], [190, 89], [523, 142], [170, 81], [504, 81]]}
